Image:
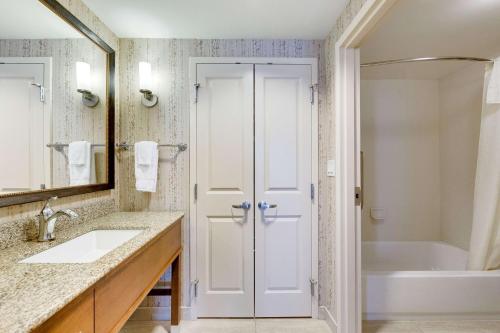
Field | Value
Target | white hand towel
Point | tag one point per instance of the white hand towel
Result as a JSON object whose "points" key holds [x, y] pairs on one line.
{"points": [[146, 166], [144, 152], [79, 160], [493, 93]]}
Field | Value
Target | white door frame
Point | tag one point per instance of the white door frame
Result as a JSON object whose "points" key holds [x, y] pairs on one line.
{"points": [[193, 61], [348, 215], [47, 106]]}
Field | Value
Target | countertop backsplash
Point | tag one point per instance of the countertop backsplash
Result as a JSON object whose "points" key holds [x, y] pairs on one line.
{"points": [[26, 228]]}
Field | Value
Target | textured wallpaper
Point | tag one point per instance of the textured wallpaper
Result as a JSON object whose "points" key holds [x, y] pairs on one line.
{"points": [[169, 121]]}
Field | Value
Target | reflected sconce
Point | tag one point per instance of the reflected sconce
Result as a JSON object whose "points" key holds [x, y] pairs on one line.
{"points": [[145, 85], [83, 84]]}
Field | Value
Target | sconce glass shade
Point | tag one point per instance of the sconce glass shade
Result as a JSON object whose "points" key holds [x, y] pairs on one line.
{"points": [[145, 80], [82, 76], [146, 85], [83, 84]]}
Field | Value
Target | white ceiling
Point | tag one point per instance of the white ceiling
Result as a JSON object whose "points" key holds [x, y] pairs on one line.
{"points": [[265, 19], [419, 28], [29, 19]]}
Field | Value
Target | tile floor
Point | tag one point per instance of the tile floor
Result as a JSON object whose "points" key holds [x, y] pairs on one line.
{"points": [[232, 326], [312, 326]]}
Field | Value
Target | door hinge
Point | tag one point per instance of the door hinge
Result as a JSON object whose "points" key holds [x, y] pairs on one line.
{"points": [[195, 191], [312, 191], [195, 287], [313, 286], [358, 196], [196, 88], [42, 91], [313, 88]]}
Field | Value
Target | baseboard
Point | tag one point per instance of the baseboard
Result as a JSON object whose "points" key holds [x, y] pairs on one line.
{"points": [[160, 313], [151, 313], [327, 316], [187, 313]]}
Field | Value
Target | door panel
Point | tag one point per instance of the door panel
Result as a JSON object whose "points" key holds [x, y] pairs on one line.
{"points": [[283, 177], [225, 178], [24, 127], [226, 240]]}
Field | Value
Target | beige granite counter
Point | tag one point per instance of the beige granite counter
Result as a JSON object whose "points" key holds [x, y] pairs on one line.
{"points": [[31, 293]]}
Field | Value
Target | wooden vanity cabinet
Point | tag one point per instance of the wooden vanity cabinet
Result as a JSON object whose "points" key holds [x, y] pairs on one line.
{"points": [[76, 317], [121, 292], [111, 301]]}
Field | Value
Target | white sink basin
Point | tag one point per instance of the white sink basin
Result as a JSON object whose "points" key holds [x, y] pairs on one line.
{"points": [[83, 249]]}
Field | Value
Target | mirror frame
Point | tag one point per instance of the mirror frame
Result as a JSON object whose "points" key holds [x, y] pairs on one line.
{"points": [[39, 195]]}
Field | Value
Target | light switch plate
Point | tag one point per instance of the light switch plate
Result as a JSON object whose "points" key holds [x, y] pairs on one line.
{"points": [[330, 168]]}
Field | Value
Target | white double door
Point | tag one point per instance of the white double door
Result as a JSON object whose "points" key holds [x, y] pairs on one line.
{"points": [[254, 145]]}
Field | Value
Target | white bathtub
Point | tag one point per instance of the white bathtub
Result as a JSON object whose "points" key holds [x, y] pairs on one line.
{"points": [[425, 280]]}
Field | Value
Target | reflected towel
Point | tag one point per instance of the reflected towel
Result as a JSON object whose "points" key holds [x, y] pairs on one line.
{"points": [[493, 93], [79, 160], [146, 166]]}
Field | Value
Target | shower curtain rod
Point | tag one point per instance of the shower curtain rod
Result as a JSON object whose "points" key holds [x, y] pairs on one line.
{"points": [[400, 61]]}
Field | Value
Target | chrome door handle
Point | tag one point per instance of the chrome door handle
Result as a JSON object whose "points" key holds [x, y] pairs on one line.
{"points": [[244, 205], [263, 205]]}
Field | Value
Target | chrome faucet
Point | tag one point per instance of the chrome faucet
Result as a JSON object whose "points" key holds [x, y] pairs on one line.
{"points": [[47, 220]]}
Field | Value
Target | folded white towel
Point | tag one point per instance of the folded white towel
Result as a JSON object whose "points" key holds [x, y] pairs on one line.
{"points": [[146, 166], [144, 152], [77, 152], [493, 93], [79, 160]]}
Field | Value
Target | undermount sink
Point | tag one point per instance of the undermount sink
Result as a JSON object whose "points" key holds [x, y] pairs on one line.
{"points": [[84, 249]]}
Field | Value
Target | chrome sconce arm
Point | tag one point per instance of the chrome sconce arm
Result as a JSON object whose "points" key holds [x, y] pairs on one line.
{"points": [[148, 98], [88, 98]]}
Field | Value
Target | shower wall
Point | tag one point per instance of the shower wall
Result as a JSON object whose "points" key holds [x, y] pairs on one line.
{"points": [[460, 117], [400, 141], [419, 139]]}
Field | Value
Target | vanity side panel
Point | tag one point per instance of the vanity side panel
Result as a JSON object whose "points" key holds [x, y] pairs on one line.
{"points": [[77, 317], [118, 295]]}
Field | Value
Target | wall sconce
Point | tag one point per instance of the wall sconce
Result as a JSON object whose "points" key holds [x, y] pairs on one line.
{"points": [[145, 85], [83, 84]]}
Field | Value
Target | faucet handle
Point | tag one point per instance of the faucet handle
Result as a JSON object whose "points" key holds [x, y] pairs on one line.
{"points": [[71, 214], [46, 206]]}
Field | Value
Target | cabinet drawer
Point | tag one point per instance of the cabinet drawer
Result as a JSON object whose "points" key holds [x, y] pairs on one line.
{"points": [[118, 295], [77, 317]]}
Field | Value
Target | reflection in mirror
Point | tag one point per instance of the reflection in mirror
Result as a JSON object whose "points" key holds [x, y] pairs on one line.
{"points": [[53, 102]]}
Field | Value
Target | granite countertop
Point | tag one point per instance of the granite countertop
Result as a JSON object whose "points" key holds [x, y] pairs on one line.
{"points": [[31, 293]]}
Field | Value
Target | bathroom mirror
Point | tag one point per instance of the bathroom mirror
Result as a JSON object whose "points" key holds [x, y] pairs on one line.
{"points": [[57, 104]]}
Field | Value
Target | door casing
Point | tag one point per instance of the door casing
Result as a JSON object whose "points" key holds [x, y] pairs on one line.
{"points": [[348, 289], [191, 312]]}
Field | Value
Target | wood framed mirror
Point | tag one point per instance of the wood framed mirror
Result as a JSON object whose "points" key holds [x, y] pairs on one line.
{"points": [[57, 110]]}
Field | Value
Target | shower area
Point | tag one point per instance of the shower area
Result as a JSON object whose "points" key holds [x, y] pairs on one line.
{"points": [[430, 141]]}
